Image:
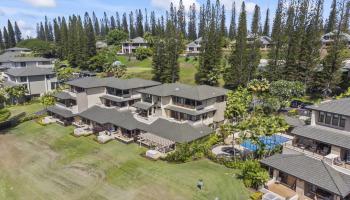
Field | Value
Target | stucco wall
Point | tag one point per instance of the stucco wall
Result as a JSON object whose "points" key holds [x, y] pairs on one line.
{"points": [[93, 95], [37, 84]]}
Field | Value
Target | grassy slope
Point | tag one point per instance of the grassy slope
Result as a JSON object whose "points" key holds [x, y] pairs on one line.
{"points": [[143, 69], [28, 108], [39, 160]]}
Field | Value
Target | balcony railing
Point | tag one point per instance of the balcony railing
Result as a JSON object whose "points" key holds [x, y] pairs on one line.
{"points": [[309, 153]]}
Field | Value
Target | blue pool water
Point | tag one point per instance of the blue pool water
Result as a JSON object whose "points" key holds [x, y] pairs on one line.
{"points": [[270, 141]]}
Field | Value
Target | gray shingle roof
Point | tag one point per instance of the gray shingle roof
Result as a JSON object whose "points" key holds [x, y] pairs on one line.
{"points": [[61, 111], [142, 105], [324, 134], [293, 121], [29, 71], [64, 95], [17, 56], [177, 132], [113, 116], [189, 111], [123, 84], [29, 59], [196, 43], [137, 40], [311, 170], [340, 106], [200, 92], [17, 49]]}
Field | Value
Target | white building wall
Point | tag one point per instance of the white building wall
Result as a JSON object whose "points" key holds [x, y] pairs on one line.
{"points": [[93, 96]]}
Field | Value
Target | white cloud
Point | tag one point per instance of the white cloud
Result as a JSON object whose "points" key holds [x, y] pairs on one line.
{"points": [[164, 4], [41, 3], [249, 6]]}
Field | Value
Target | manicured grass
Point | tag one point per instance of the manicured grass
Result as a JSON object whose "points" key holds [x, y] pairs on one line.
{"points": [[143, 69], [29, 108], [46, 162]]}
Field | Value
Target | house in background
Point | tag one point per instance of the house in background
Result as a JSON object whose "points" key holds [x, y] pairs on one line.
{"points": [[194, 47], [101, 45], [316, 163], [21, 57], [37, 80], [130, 46], [264, 41], [328, 38]]}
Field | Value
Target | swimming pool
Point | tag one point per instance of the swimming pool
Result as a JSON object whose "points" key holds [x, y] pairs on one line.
{"points": [[270, 141]]}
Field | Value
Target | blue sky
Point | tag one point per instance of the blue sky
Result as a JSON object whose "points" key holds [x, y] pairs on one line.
{"points": [[28, 12]]}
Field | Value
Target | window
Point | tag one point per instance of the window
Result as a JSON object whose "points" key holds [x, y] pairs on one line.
{"points": [[328, 118], [342, 121], [335, 120], [53, 86], [23, 64], [23, 79], [147, 98], [321, 117]]}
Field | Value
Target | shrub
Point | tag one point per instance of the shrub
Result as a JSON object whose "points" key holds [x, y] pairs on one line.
{"points": [[115, 37], [28, 118], [4, 114], [253, 174], [143, 53], [293, 112], [193, 151]]}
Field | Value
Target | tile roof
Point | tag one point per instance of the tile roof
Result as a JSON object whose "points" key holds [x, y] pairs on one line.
{"points": [[311, 170], [138, 40], [324, 134], [340, 106], [17, 49], [61, 111], [123, 84], [293, 121], [177, 132], [29, 71], [64, 95], [113, 116], [200, 92]]}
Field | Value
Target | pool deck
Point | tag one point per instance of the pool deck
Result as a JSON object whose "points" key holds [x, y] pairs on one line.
{"points": [[241, 147]]}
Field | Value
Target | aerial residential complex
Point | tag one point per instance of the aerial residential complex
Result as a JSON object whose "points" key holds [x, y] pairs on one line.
{"points": [[141, 110], [316, 162]]}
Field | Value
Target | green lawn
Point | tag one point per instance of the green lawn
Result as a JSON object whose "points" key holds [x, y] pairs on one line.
{"points": [[29, 108], [143, 69], [48, 163]]}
